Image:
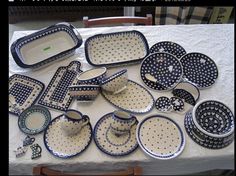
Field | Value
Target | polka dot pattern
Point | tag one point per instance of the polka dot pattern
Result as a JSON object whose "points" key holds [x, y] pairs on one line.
{"points": [[168, 47], [134, 98], [199, 69], [25, 91], [214, 117], [177, 104], [116, 48], [166, 69], [163, 104], [111, 144], [160, 137], [57, 95], [183, 94], [60, 145], [202, 139]]}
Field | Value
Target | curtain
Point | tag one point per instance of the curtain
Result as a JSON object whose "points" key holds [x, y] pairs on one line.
{"points": [[182, 15]]}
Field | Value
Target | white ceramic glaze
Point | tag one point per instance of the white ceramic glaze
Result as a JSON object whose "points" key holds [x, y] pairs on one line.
{"points": [[122, 122], [84, 92], [115, 83], [93, 75], [160, 137], [72, 122]]}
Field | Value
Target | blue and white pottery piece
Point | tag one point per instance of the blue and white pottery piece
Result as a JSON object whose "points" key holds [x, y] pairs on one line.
{"points": [[111, 144], [160, 137], [213, 118], [45, 46], [199, 69], [63, 146], [92, 76], [177, 104], [134, 99], [163, 104], [34, 119], [36, 151], [28, 141], [23, 92], [73, 121], [203, 139], [84, 93], [161, 71], [116, 82], [57, 95], [20, 151], [122, 122], [116, 48], [168, 47]]}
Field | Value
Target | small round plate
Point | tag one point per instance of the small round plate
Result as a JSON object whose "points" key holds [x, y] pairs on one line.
{"points": [[168, 47], [109, 143], [199, 69], [177, 104], [160, 137], [62, 146], [165, 68], [163, 104], [34, 119]]}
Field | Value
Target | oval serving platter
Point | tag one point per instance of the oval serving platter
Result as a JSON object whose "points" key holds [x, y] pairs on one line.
{"points": [[135, 98], [116, 48]]}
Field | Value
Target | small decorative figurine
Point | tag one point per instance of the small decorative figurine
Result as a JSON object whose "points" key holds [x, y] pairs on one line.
{"points": [[36, 151], [20, 151], [28, 141]]}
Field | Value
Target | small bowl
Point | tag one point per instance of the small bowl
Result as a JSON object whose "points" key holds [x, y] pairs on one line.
{"points": [[213, 118], [92, 76], [116, 82], [84, 92]]}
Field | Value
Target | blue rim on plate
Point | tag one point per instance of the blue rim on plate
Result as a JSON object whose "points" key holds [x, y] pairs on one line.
{"points": [[168, 47], [15, 47], [29, 111], [36, 90], [152, 154], [104, 94], [95, 37], [57, 94], [53, 152], [199, 69], [110, 78], [164, 67], [103, 121]]}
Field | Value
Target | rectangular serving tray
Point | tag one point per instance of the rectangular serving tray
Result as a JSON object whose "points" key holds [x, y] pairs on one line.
{"points": [[116, 48], [49, 44]]}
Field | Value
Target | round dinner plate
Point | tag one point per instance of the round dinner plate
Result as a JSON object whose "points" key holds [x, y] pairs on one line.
{"points": [[34, 119], [199, 69], [164, 69], [63, 146], [160, 137], [168, 47], [111, 144]]}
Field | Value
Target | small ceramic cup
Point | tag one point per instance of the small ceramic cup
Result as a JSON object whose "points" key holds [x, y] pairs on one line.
{"points": [[116, 83], [73, 121], [121, 122], [92, 76], [84, 93]]}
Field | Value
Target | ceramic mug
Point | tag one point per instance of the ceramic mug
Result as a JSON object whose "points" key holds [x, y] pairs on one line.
{"points": [[122, 122], [73, 121]]}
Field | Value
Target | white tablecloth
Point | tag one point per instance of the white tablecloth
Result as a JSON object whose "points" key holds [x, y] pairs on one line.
{"points": [[216, 41]]}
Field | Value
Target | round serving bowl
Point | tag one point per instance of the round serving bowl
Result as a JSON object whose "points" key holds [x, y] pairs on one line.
{"points": [[213, 118], [92, 76], [203, 139], [115, 83], [84, 92]]}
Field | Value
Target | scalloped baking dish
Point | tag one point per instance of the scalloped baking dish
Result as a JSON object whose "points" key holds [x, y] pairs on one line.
{"points": [[38, 49]]}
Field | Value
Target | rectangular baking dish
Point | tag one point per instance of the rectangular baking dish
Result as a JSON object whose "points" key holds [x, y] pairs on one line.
{"points": [[116, 48], [49, 44]]}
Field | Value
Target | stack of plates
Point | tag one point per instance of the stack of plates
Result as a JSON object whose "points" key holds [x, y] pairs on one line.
{"points": [[210, 124]]}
